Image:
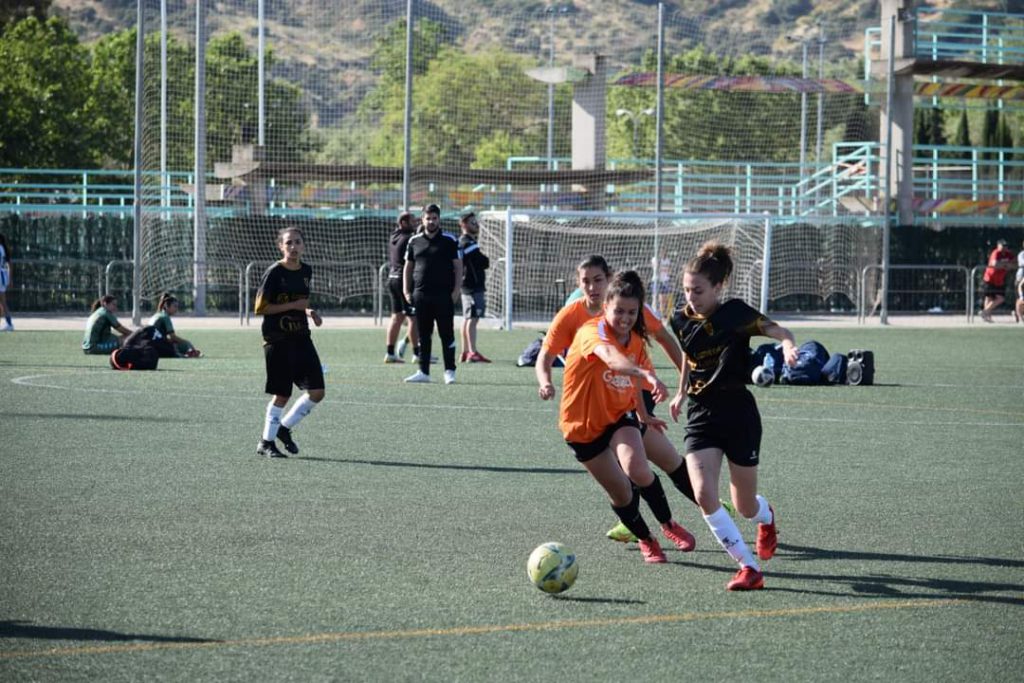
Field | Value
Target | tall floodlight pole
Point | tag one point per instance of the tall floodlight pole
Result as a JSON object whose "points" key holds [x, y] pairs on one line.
{"points": [[658, 144], [199, 172], [887, 198], [407, 116], [165, 183], [803, 120], [261, 74], [551, 88], [821, 95], [137, 199]]}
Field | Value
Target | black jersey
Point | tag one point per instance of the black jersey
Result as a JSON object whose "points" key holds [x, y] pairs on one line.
{"points": [[432, 258], [279, 286], [717, 348], [397, 245], [474, 263]]}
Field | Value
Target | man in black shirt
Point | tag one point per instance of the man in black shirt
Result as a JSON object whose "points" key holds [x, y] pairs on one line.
{"points": [[431, 281], [400, 308], [474, 302]]}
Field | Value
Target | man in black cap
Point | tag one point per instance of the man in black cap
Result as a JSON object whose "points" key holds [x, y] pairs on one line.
{"points": [[431, 281]]}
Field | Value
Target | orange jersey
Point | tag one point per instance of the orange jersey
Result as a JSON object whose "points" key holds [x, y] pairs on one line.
{"points": [[593, 395], [573, 316]]}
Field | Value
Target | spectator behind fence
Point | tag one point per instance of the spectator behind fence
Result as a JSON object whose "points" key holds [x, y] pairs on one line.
{"points": [[98, 337], [994, 279], [1018, 309], [5, 282]]}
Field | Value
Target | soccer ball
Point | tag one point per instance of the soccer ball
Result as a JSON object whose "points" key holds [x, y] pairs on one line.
{"points": [[552, 567], [762, 376]]}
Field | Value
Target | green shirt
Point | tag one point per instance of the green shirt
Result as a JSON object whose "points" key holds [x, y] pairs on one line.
{"points": [[97, 329], [162, 322]]}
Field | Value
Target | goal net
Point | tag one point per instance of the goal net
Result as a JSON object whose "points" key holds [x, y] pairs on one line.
{"points": [[811, 263]]}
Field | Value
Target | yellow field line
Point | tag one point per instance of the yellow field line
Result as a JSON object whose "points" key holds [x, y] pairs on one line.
{"points": [[475, 630]]}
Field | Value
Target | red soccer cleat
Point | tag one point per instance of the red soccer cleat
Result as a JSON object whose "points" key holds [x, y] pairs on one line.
{"points": [[767, 538], [652, 552], [477, 357], [746, 579], [682, 538]]}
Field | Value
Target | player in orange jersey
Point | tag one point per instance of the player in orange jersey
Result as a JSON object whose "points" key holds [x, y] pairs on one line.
{"points": [[602, 415]]}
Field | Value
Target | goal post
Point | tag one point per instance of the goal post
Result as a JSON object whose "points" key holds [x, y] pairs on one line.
{"points": [[795, 264]]}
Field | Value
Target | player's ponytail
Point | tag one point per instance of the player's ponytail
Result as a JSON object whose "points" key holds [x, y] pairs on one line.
{"points": [[713, 261], [627, 284], [102, 301], [166, 299]]}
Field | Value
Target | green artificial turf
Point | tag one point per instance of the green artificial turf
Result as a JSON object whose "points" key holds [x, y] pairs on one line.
{"points": [[141, 539]]}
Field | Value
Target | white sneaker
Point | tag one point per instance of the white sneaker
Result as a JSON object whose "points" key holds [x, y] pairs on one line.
{"points": [[449, 377], [419, 377], [400, 349], [7, 327]]}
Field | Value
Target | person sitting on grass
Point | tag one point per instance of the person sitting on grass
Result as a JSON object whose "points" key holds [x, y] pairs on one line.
{"points": [[98, 337], [166, 307]]}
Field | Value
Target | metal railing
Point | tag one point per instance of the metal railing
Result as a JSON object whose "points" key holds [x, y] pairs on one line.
{"points": [[863, 313]]}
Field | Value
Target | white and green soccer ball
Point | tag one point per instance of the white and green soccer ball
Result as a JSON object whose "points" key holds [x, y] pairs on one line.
{"points": [[762, 376], [552, 567]]}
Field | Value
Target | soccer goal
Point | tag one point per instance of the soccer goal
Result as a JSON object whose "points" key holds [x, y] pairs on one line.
{"points": [[811, 263]]}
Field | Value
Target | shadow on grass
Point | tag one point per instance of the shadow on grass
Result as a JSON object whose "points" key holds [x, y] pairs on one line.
{"points": [[804, 552], [893, 585], [26, 629], [445, 466], [603, 601], [85, 416]]}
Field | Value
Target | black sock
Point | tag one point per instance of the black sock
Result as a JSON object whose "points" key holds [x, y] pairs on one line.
{"points": [[416, 350], [681, 478], [631, 517], [391, 349], [654, 495]]}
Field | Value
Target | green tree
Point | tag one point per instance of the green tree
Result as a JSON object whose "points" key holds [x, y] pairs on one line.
{"points": [[457, 107], [962, 136], [44, 93], [232, 96]]}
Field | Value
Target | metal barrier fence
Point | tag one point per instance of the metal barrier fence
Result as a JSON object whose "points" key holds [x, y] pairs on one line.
{"points": [[939, 296]]}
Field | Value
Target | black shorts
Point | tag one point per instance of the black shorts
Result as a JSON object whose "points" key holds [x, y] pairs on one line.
{"points": [[398, 303], [731, 424], [292, 361], [991, 290], [649, 402], [589, 451]]}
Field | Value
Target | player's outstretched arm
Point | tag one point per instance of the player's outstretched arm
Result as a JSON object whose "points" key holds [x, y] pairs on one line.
{"points": [[542, 370], [782, 334]]}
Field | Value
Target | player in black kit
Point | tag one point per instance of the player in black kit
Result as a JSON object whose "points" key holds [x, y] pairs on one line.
{"points": [[431, 281], [291, 358], [721, 415], [400, 308]]}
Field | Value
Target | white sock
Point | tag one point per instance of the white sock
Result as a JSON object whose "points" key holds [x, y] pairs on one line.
{"points": [[299, 410], [729, 537], [272, 421], [764, 514]]}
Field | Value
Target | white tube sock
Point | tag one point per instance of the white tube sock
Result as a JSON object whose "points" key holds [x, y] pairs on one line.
{"points": [[272, 421], [300, 409], [729, 537]]}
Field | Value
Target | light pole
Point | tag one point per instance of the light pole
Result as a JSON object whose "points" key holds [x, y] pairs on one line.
{"points": [[821, 95], [552, 10], [635, 121]]}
